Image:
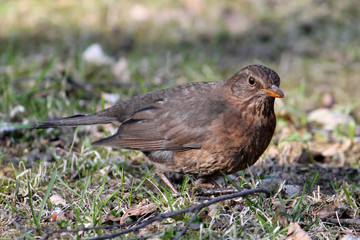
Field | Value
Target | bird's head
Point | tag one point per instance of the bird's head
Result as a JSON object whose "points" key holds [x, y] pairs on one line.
{"points": [[256, 81]]}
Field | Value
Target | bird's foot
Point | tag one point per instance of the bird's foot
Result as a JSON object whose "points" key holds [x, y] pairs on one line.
{"points": [[169, 183]]}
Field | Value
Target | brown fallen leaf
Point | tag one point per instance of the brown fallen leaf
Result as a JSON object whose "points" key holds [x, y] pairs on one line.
{"points": [[56, 199], [330, 118], [109, 219], [150, 208], [296, 233]]}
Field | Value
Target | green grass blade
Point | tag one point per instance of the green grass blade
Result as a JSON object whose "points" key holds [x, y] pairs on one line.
{"points": [[35, 219], [47, 194], [347, 194], [85, 188], [68, 187], [16, 210]]}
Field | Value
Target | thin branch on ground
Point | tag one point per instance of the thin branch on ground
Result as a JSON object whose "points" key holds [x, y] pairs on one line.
{"points": [[197, 207], [346, 221], [187, 225], [218, 191]]}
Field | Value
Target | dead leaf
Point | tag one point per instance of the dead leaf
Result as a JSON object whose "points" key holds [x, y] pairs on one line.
{"points": [[110, 219], [57, 200], [329, 117], [213, 210], [331, 150], [296, 233], [150, 208]]}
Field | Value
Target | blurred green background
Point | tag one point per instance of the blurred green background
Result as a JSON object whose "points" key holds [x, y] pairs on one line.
{"points": [[313, 45]]}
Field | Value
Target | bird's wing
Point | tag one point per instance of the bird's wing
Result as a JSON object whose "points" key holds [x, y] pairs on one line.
{"points": [[173, 123]]}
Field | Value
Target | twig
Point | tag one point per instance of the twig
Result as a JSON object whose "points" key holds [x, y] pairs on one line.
{"points": [[50, 231], [347, 221], [353, 231], [145, 237], [197, 207], [218, 191], [187, 225]]}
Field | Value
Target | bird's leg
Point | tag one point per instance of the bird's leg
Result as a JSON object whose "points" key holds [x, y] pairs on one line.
{"points": [[207, 182], [168, 182]]}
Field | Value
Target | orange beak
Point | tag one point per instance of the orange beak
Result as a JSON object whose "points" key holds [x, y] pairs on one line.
{"points": [[274, 91]]}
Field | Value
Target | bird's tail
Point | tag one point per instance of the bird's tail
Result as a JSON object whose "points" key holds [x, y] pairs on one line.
{"points": [[77, 120]]}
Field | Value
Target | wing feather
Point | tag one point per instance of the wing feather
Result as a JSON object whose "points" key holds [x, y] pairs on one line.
{"points": [[174, 123]]}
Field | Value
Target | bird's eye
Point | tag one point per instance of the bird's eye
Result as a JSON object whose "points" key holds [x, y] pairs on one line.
{"points": [[251, 81]]}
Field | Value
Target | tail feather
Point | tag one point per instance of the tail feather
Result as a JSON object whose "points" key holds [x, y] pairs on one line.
{"points": [[77, 120], [105, 142]]}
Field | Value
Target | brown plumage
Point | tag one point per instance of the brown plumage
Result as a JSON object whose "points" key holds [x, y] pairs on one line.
{"points": [[198, 128]]}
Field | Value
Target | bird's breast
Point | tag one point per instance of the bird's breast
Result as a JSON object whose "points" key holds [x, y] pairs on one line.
{"points": [[240, 138]]}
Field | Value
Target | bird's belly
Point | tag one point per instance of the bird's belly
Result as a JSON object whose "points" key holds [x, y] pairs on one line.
{"points": [[206, 163], [225, 155], [225, 151]]}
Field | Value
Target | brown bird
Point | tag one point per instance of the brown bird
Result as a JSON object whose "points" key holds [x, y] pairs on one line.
{"points": [[199, 128]]}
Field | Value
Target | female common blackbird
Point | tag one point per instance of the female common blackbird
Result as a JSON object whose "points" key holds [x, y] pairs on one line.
{"points": [[198, 128]]}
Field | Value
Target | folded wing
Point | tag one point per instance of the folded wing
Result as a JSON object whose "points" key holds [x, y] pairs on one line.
{"points": [[174, 123]]}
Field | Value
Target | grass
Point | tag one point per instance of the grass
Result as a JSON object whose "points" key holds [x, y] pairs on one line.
{"points": [[312, 45]]}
